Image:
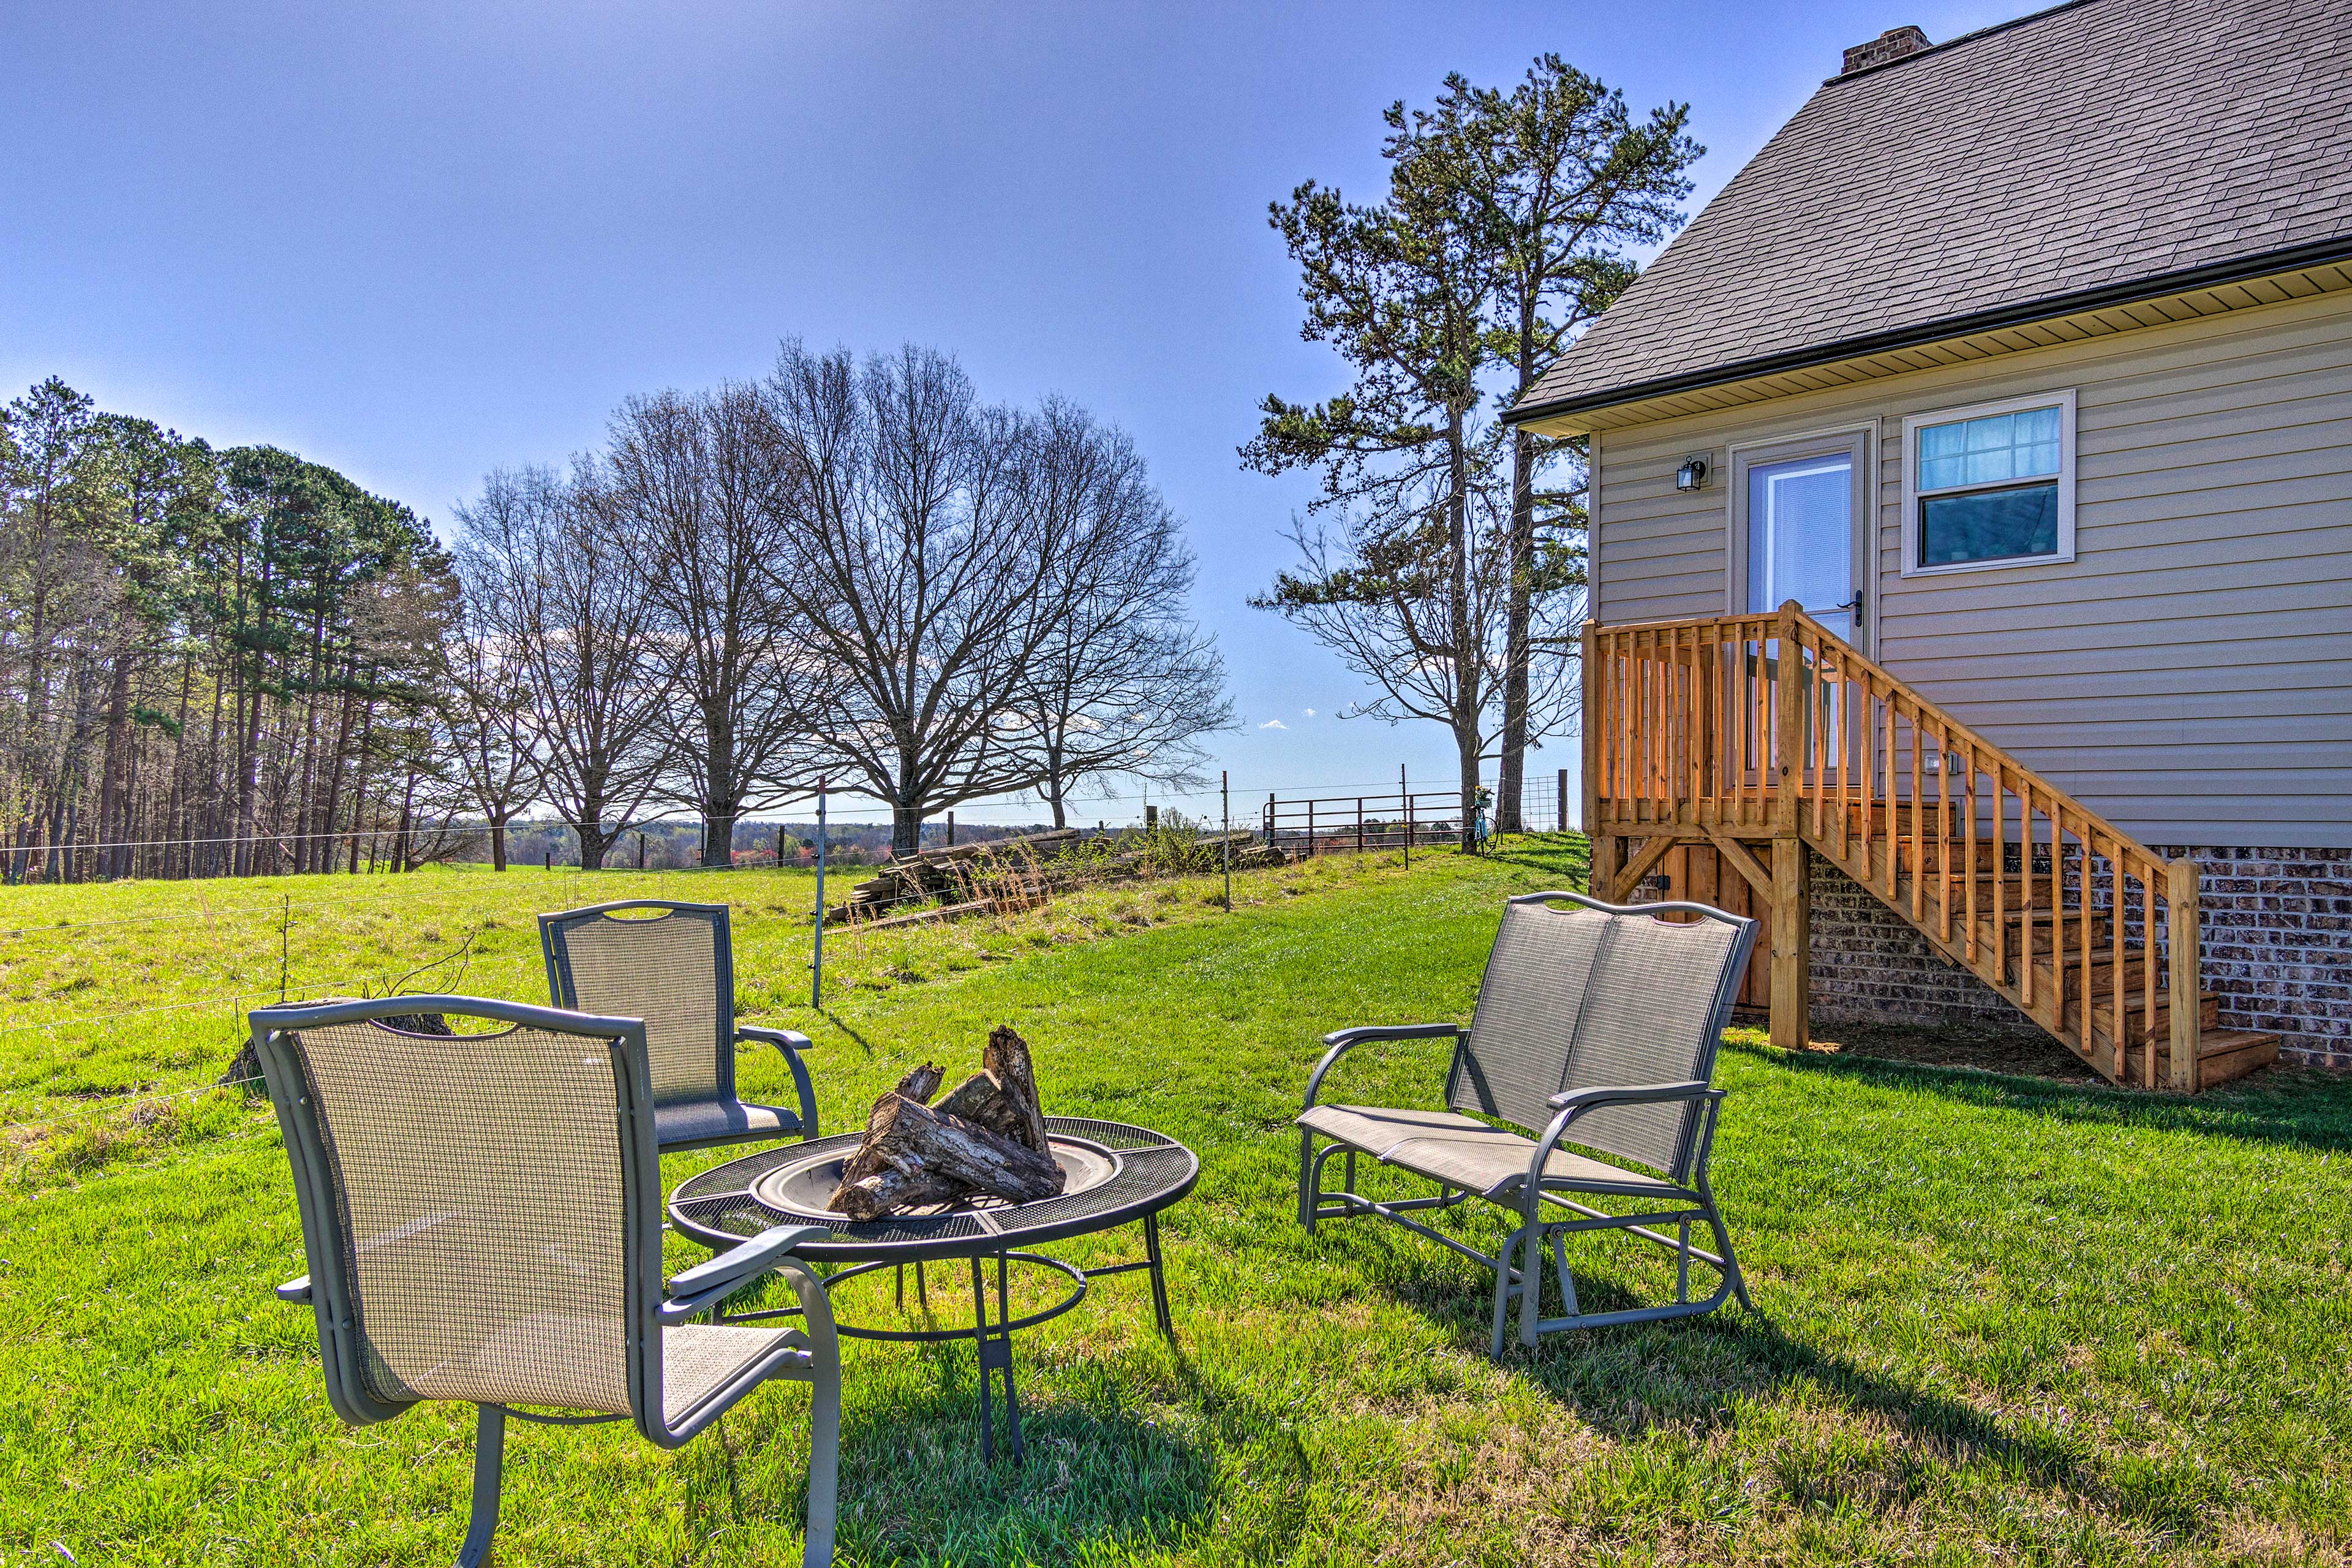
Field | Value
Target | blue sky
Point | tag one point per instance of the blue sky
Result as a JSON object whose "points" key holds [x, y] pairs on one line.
{"points": [[424, 241]]}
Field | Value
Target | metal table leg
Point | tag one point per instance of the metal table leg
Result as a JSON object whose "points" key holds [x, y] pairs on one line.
{"points": [[995, 1353], [1159, 1277]]}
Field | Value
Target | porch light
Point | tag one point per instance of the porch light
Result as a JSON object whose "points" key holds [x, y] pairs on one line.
{"points": [[1692, 475]]}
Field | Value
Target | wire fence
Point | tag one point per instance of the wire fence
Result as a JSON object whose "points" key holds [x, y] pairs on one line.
{"points": [[286, 932], [380, 851]]}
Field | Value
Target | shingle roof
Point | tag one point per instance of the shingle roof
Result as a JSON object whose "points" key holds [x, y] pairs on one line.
{"points": [[2084, 149]]}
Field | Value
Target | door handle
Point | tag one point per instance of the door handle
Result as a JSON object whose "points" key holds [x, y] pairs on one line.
{"points": [[1857, 605]]}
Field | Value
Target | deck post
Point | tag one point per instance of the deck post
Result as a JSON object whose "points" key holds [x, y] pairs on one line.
{"points": [[1592, 716], [2182, 965], [1792, 921], [1793, 940]]}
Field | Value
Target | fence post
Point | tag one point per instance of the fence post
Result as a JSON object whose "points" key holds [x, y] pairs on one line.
{"points": [[1270, 819], [1562, 818], [817, 960], [1360, 824], [1405, 795], [1226, 847], [1314, 847], [950, 829]]}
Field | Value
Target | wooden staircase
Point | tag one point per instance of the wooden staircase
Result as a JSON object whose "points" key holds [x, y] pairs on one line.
{"points": [[1753, 731]]}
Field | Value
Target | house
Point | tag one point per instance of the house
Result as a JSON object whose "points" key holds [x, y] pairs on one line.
{"points": [[1971, 497]]}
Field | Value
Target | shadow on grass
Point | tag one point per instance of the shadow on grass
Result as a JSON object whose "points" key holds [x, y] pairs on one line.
{"points": [[1097, 1480], [2303, 1109]]}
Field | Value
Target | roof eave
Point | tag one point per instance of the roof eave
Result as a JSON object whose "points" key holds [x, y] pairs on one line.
{"points": [[2211, 275]]}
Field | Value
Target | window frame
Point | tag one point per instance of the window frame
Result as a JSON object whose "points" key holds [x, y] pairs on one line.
{"points": [[2062, 400]]}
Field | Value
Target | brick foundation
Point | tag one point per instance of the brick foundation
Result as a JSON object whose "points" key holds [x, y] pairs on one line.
{"points": [[2278, 953], [2278, 945], [1869, 966]]}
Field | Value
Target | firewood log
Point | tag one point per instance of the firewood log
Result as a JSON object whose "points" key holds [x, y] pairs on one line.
{"points": [[922, 1083], [894, 1191], [1006, 1055], [908, 1137]]}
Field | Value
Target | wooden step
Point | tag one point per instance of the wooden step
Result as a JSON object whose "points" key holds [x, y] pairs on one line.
{"points": [[2221, 1054]]}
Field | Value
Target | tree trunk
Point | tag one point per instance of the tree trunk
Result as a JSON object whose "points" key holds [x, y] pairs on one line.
{"points": [[111, 797], [906, 829], [498, 844], [718, 841], [1509, 784]]}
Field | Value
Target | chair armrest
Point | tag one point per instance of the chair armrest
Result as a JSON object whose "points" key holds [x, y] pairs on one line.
{"points": [[296, 1290], [706, 1283], [790, 1042], [1342, 1041]]}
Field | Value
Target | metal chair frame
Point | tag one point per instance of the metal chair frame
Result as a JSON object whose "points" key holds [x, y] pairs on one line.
{"points": [[1517, 1264], [554, 930], [811, 1355]]}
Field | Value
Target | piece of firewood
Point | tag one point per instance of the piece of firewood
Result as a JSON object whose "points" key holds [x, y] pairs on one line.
{"points": [[1006, 1055], [908, 1137], [922, 1083], [983, 1100], [893, 1191]]}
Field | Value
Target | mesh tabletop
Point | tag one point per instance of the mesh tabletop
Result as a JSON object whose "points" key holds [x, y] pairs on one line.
{"points": [[721, 1209]]}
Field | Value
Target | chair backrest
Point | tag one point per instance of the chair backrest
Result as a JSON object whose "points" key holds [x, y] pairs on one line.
{"points": [[1595, 996], [675, 970], [481, 1212]]}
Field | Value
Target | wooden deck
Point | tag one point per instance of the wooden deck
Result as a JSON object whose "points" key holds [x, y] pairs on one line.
{"points": [[1731, 750]]}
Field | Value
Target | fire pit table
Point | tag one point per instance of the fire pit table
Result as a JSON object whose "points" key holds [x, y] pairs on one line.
{"points": [[1115, 1175]]}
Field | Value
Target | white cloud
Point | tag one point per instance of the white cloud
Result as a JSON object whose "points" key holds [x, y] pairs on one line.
{"points": [[1308, 712], [1274, 725]]}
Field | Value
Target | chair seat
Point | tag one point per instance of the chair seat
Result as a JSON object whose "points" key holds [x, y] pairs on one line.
{"points": [[1446, 1146], [701, 1362], [692, 1123], [566, 1361]]}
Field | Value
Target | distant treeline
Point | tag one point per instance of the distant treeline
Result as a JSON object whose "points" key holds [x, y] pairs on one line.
{"points": [[224, 662]]}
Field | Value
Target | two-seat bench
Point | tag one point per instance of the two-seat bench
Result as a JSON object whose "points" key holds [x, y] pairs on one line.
{"points": [[1595, 1034]]}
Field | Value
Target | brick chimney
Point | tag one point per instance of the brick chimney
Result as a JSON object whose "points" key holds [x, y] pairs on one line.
{"points": [[1891, 45]]}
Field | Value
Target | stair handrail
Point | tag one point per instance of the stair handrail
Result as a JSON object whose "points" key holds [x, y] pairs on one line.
{"points": [[1975, 740]]}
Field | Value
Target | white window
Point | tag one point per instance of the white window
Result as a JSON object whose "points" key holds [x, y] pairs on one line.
{"points": [[1990, 486]]}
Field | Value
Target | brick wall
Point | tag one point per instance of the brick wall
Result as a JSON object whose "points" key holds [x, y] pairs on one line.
{"points": [[1869, 966], [2278, 945], [2278, 953]]}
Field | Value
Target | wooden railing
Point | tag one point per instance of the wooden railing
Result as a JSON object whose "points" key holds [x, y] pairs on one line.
{"points": [[1771, 726]]}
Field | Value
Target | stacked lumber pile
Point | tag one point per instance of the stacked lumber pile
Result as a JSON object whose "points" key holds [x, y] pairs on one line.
{"points": [[941, 872], [986, 1138], [1011, 873]]}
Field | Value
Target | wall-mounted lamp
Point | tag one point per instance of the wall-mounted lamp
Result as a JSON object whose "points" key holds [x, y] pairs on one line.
{"points": [[1692, 475]]}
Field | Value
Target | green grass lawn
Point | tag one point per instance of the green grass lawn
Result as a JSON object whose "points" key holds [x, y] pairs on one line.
{"points": [[2002, 1320]]}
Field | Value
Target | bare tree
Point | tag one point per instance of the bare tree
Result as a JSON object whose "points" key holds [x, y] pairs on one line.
{"points": [[920, 567], [489, 734], [1422, 607], [547, 554], [697, 495], [1123, 684]]}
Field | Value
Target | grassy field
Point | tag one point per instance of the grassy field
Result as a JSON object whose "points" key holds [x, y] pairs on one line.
{"points": [[2002, 1320]]}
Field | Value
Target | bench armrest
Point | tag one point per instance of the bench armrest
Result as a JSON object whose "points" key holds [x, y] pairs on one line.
{"points": [[297, 1290], [790, 1042], [1577, 1101], [1341, 1041], [1580, 1100], [706, 1283]]}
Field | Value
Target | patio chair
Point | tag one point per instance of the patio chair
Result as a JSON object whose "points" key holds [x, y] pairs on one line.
{"points": [[1597, 1025], [482, 1217], [676, 971]]}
